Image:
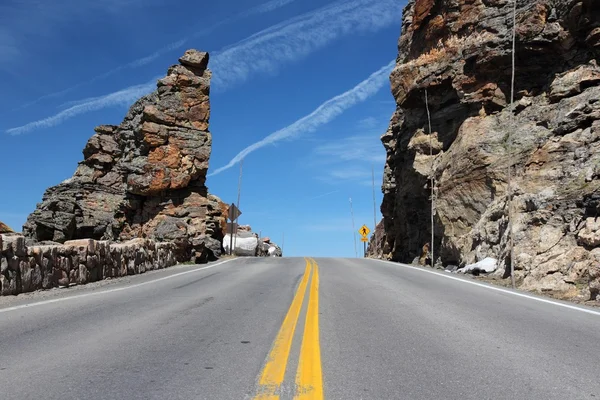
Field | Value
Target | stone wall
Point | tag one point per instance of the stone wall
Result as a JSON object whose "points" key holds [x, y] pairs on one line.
{"points": [[28, 268]]}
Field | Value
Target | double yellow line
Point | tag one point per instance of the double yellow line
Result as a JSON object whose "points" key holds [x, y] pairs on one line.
{"points": [[309, 376]]}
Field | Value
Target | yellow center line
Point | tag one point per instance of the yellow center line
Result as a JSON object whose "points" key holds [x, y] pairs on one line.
{"points": [[309, 376], [274, 371]]}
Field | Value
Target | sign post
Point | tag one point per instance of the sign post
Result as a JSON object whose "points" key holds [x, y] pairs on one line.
{"points": [[364, 232], [233, 215]]}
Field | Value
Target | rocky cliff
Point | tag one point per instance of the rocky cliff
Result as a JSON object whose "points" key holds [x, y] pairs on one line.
{"points": [[146, 177], [459, 52]]}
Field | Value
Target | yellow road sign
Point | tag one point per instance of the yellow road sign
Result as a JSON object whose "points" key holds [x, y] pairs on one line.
{"points": [[364, 231], [364, 239]]}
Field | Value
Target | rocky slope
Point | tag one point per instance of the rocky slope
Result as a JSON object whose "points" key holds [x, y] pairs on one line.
{"points": [[459, 51], [4, 228], [146, 177]]}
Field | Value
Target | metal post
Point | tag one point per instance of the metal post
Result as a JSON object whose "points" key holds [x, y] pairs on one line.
{"points": [[509, 145], [353, 229], [432, 179], [238, 198], [365, 249], [374, 201], [231, 236]]}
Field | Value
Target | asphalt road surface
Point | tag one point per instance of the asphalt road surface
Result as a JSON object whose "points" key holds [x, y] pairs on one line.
{"points": [[296, 328]]}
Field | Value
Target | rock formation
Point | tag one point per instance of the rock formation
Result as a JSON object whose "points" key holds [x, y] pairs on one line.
{"points": [[459, 51], [378, 246], [146, 177], [5, 228]]}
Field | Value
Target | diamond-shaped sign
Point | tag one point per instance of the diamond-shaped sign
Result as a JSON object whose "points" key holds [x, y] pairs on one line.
{"points": [[234, 213], [364, 231]]}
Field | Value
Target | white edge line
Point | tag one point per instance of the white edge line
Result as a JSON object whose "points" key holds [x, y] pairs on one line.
{"points": [[556, 303], [79, 296]]}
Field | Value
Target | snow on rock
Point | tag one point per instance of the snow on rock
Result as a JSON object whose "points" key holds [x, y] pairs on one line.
{"points": [[244, 244], [486, 265]]}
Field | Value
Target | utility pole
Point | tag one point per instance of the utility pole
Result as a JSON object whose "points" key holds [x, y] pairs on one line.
{"points": [[232, 218], [374, 201], [509, 145], [353, 228], [238, 204], [432, 183]]}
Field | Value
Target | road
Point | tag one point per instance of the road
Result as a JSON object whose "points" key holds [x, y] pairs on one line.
{"points": [[292, 328]]}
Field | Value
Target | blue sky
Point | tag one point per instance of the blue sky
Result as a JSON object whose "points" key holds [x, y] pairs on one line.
{"points": [[300, 92]]}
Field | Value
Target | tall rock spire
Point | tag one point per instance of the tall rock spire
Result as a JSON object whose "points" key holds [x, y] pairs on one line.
{"points": [[145, 177]]}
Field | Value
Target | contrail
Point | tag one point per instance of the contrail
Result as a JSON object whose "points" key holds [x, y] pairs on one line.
{"points": [[125, 96], [322, 115], [296, 38], [324, 195], [263, 51], [260, 9]]}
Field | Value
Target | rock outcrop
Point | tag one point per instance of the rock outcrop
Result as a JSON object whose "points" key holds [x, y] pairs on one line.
{"points": [[146, 177], [459, 51], [378, 246], [5, 228]]}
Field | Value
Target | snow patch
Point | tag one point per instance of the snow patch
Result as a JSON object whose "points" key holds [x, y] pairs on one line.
{"points": [[242, 246], [486, 265]]}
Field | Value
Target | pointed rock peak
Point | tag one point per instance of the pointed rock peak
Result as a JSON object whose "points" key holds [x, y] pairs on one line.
{"points": [[195, 59]]}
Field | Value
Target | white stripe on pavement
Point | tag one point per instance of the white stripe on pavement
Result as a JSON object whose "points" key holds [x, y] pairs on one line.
{"points": [[498, 289]]}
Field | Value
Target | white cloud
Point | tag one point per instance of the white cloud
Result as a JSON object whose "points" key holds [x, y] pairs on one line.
{"points": [[123, 97], [350, 173], [267, 7], [368, 123], [350, 160], [323, 114], [300, 36], [364, 148]]}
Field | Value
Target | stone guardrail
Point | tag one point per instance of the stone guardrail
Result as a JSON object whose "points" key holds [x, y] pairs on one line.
{"points": [[29, 268]]}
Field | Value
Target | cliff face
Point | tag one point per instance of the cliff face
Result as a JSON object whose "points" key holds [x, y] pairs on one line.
{"points": [[459, 51], [146, 177]]}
